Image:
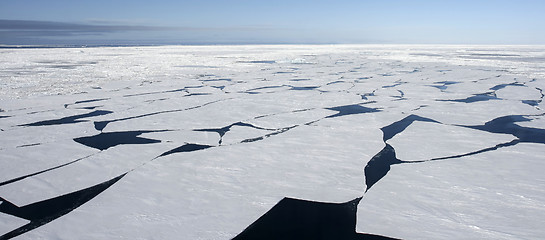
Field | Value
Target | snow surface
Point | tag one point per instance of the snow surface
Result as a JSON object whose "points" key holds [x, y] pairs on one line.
{"points": [[213, 137]]}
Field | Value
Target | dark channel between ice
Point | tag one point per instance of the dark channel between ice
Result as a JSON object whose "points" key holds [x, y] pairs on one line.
{"points": [[261, 88], [259, 61], [105, 140], [100, 125], [501, 86], [531, 102], [217, 80], [535, 102], [40, 213], [68, 120], [304, 88], [399, 126], [28, 145], [39, 172], [85, 101], [222, 131], [185, 89], [506, 125], [188, 147], [301, 219], [401, 94], [351, 109], [335, 82], [444, 84], [290, 218], [282, 130], [393, 85], [380, 164], [365, 95], [498, 146], [90, 107], [475, 98]]}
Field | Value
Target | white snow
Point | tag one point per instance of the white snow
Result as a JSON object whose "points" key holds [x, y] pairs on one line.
{"points": [[495, 195], [304, 149], [425, 140], [9, 223]]}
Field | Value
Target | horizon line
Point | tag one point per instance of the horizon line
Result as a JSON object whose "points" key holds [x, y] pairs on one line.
{"points": [[17, 46]]}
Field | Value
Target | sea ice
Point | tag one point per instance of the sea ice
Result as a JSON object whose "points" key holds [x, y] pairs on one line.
{"points": [[199, 142]]}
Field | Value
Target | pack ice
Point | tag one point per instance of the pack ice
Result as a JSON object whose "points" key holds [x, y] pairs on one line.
{"points": [[272, 142]]}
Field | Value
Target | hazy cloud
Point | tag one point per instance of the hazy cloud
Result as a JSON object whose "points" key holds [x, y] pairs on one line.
{"points": [[47, 26], [47, 32], [40, 32]]}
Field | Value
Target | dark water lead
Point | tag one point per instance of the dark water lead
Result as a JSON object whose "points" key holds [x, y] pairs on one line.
{"points": [[105, 140], [444, 84], [475, 98], [219, 87], [300, 79], [39, 172], [197, 94], [283, 72], [265, 87], [68, 120], [440, 87], [259, 61], [535, 102], [393, 85], [217, 80], [100, 125], [531, 102], [90, 107], [282, 130], [447, 82], [85, 101], [397, 127], [43, 212], [304, 88], [506, 124], [29, 145], [301, 219], [501, 86], [188, 147], [294, 111], [335, 82], [365, 95], [185, 89], [351, 109], [222, 131], [498, 146], [379, 166], [400, 97]]}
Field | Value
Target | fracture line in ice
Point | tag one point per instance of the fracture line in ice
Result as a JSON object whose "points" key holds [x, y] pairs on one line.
{"points": [[43, 212], [68, 120], [379, 165], [100, 125], [302, 219], [43, 171]]}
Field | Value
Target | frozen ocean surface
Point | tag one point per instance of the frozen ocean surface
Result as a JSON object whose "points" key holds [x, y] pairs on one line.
{"points": [[273, 142]]}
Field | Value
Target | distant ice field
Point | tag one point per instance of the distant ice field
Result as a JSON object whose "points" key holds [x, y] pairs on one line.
{"points": [[273, 142]]}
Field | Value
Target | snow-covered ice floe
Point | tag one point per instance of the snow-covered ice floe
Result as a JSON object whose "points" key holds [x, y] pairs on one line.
{"points": [[273, 142]]}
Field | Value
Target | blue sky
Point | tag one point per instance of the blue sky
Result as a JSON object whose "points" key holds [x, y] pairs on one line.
{"points": [[280, 21]]}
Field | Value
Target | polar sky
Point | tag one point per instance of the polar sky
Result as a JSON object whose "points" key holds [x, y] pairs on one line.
{"points": [[279, 21]]}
